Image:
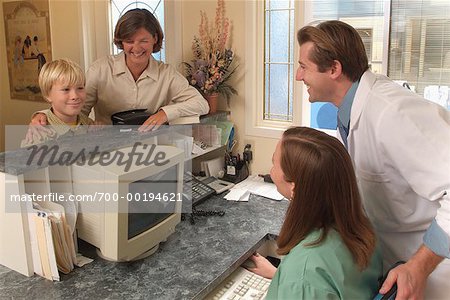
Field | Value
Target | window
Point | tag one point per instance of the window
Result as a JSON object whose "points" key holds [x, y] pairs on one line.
{"points": [[98, 19], [271, 92], [119, 7], [416, 31], [278, 102], [419, 51], [279, 60]]}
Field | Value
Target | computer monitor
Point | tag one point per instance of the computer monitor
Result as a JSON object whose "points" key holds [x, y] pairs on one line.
{"points": [[130, 206]]}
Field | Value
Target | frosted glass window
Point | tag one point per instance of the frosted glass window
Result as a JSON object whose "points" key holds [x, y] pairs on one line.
{"points": [[119, 7], [279, 92], [279, 59], [280, 4], [279, 36]]}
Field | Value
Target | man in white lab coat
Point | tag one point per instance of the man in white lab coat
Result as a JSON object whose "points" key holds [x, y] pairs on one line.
{"points": [[400, 145]]}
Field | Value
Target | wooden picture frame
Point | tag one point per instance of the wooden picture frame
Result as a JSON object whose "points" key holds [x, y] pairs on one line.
{"points": [[28, 46]]}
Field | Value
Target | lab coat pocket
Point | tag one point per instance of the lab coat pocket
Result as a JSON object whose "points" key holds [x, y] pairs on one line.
{"points": [[375, 189], [372, 177]]}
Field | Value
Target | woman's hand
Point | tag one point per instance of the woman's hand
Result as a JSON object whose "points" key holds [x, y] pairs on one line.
{"points": [[263, 267], [39, 119], [37, 129], [154, 121]]}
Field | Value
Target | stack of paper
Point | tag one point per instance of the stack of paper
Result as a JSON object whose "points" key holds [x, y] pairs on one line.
{"points": [[44, 260], [52, 239], [253, 185]]}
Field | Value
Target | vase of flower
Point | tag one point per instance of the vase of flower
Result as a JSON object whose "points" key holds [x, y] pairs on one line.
{"points": [[212, 99], [212, 66]]}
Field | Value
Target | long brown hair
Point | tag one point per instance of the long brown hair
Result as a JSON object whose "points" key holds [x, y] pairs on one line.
{"points": [[325, 195], [132, 21], [336, 40]]}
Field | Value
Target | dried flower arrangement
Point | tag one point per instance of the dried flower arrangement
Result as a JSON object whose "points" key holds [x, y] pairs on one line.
{"points": [[212, 65]]}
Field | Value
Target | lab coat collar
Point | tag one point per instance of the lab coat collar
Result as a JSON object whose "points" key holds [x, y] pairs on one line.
{"points": [[365, 84]]}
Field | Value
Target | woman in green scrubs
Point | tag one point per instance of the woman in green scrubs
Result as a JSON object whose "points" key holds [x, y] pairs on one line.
{"points": [[328, 241]]}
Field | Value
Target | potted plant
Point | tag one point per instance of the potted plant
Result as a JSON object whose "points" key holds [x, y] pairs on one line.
{"points": [[212, 65]]}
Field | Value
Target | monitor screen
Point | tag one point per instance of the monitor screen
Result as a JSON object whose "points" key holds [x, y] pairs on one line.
{"points": [[151, 201], [140, 222]]}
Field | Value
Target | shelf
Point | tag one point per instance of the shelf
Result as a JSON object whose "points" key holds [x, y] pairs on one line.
{"points": [[207, 150], [221, 115]]}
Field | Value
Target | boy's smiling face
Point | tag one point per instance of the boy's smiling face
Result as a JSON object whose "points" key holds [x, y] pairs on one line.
{"points": [[67, 100]]}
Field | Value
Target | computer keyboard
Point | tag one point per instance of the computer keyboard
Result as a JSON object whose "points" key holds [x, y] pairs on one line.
{"points": [[197, 189], [241, 284]]}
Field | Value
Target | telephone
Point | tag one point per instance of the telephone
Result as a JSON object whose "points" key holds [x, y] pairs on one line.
{"points": [[198, 190], [218, 185]]}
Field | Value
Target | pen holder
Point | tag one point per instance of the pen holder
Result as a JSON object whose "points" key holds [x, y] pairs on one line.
{"points": [[236, 172]]}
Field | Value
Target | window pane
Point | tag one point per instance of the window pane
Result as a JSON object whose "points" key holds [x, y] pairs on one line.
{"points": [[277, 98], [119, 7], [278, 56], [419, 50], [278, 4], [279, 36]]}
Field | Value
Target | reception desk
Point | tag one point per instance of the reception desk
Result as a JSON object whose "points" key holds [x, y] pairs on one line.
{"points": [[190, 264]]}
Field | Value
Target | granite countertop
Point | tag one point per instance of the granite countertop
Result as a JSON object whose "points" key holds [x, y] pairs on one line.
{"points": [[109, 138], [191, 263]]}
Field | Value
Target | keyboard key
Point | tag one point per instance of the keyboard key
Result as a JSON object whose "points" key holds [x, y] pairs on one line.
{"points": [[242, 284]]}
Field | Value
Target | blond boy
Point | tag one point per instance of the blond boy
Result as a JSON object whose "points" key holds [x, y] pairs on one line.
{"points": [[62, 85]]}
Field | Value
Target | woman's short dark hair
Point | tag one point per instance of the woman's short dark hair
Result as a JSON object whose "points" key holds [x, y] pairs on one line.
{"points": [[336, 40], [132, 21]]}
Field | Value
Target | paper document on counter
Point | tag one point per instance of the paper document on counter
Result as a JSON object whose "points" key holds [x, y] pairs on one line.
{"points": [[253, 185]]}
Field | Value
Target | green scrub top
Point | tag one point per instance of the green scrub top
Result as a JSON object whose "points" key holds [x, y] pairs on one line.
{"points": [[325, 271]]}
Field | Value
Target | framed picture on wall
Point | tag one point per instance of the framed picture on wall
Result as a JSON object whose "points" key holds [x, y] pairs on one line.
{"points": [[28, 46]]}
